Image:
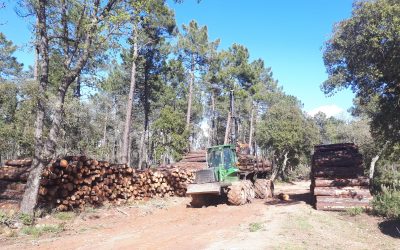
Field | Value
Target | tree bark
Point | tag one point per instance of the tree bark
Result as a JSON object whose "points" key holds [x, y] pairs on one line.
{"points": [[372, 166], [284, 164], [374, 160], [128, 117], [227, 130], [29, 198], [251, 129], [213, 132], [141, 148], [189, 108], [51, 142]]}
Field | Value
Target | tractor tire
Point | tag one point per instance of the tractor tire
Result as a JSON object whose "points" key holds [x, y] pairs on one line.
{"points": [[264, 188], [237, 193], [250, 192]]}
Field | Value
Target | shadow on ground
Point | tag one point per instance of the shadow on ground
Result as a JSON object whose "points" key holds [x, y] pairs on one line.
{"points": [[390, 228]]}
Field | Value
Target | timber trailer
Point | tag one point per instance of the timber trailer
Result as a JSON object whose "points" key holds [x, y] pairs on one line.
{"points": [[231, 173]]}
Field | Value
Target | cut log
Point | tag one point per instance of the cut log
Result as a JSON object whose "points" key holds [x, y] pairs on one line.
{"points": [[341, 182], [335, 147], [338, 172], [343, 191], [340, 200], [194, 159], [14, 173], [18, 163], [11, 185]]}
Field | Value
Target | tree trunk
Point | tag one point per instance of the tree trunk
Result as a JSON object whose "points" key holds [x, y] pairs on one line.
{"points": [[189, 108], [29, 198], [251, 129], [213, 132], [374, 160], [227, 130], [284, 164], [128, 117], [51, 142], [372, 166], [141, 148]]}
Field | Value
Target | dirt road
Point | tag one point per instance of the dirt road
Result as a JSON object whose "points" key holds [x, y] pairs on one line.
{"points": [[170, 224]]}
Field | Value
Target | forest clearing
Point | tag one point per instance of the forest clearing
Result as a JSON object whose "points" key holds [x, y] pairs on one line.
{"points": [[170, 224], [186, 124]]}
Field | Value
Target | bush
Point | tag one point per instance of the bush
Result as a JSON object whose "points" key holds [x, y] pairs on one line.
{"points": [[26, 219], [354, 211], [256, 226], [64, 215], [387, 204], [387, 177], [39, 230], [299, 172]]}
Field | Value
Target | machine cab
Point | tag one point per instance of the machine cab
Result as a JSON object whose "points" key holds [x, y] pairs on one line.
{"points": [[222, 159]]}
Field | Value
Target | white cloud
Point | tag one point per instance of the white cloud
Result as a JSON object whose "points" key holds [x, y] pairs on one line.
{"points": [[329, 110]]}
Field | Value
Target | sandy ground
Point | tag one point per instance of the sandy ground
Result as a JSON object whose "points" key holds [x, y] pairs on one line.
{"points": [[171, 224]]}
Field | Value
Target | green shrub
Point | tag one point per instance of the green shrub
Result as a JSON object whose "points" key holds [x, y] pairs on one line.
{"points": [[354, 211], [5, 218], [256, 226], [39, 230], [64, 215], [26, 219], [387, 177], [299, 172], [387, 204]]}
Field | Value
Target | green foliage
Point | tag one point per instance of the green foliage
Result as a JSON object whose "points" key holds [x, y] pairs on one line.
{"points": [[386, 185], [172, 138], [286, 132], [387, 204], [363, 54], [26, 219], [9, 65], [387, 178], [64, 215], [38, 230], [256, 226], [354, 211], [5, 218], [194, 47]]}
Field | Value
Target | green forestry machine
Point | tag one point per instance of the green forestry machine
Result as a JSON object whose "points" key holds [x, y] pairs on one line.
{"points": [[231, 173]]}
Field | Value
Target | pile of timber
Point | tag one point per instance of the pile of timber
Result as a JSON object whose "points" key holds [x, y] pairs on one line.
{"points": [[194, 160], [76, 181], [337, 178], [13, 177], [250, 163]]}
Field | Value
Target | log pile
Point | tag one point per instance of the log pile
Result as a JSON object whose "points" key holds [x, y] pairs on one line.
{"points": [[194, 160], [13, 177], [337, 178], [250, 163], [76, 181]]}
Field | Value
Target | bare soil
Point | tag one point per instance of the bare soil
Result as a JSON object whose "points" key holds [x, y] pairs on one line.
{"points": [[172, 224]]}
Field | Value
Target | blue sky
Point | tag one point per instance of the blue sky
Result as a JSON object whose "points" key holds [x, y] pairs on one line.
{"points": [[287, 35]]}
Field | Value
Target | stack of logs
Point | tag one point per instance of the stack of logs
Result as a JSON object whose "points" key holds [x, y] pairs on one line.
{"points": [[250, 163], [13, 177], [194, 160], [337, 178], [76, 181]]}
